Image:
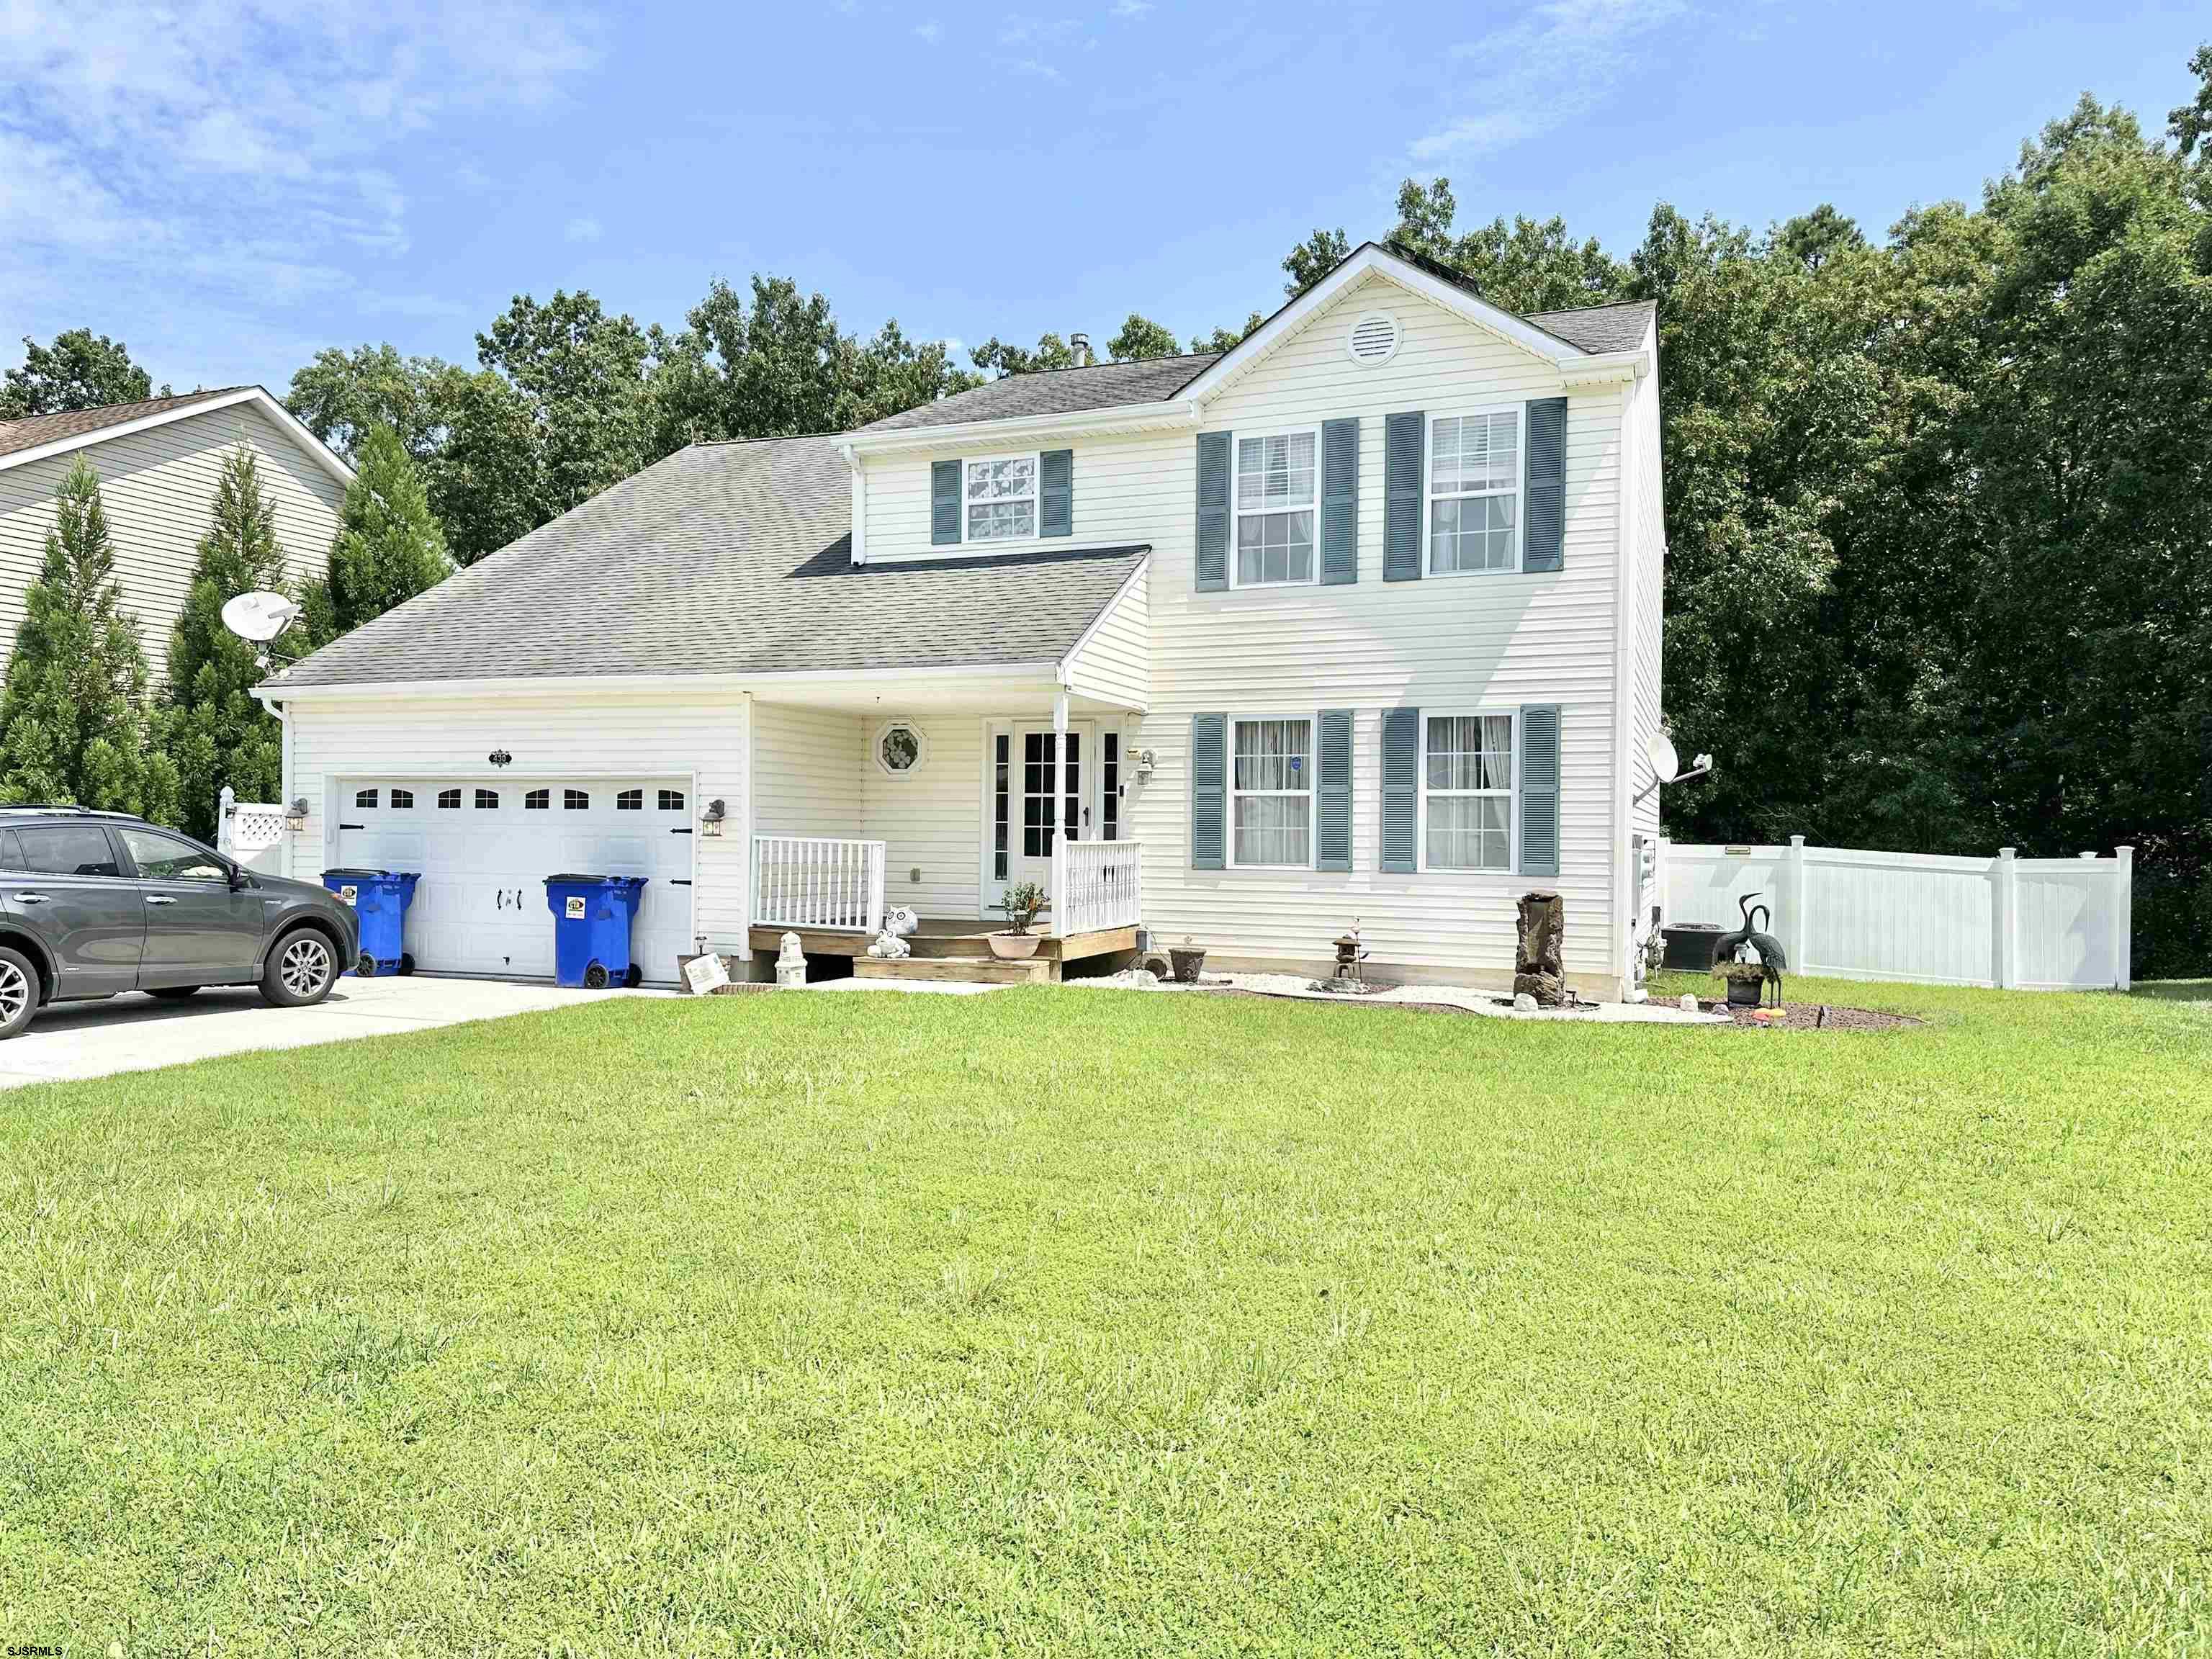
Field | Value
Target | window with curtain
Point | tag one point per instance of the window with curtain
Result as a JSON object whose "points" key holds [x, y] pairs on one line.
{"points": [[1271, 792], [1275, 484], [1475, 492], [1467, 792]]}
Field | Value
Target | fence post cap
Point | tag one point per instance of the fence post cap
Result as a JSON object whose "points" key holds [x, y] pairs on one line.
{"points": [[1796, 840], [2007, 851]]}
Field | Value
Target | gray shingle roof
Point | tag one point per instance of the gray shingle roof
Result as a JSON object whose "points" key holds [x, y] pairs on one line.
{"points": [[30, 431], [724, 558], [1598, 328], [1058, 392]]}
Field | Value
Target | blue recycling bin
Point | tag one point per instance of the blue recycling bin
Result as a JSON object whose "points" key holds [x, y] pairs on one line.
{"points": [[379, 898], [592, 918]]}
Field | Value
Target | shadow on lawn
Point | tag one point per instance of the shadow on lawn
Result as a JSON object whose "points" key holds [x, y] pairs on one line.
{"points": [[2174, 990]]}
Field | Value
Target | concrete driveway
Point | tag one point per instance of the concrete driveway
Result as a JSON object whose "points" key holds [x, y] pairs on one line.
{"points": [[135, 1033]]}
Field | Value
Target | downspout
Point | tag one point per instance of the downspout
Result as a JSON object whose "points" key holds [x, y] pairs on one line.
{"points": [[284, 777], [1622, 908]]}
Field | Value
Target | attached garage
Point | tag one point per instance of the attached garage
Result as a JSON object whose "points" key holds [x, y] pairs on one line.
{"points": [[485, 844]]}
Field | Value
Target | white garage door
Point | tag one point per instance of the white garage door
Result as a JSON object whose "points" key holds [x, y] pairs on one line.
{"points": [[485, 846]]}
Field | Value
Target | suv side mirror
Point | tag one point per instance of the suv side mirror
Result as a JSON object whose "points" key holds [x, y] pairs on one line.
{"points": [[237, 881]]}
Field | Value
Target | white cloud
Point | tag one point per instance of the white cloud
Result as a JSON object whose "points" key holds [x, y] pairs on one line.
{"points": [[1132, 9], [929, 32], [235, 156], [583, 229], [1565, 56]]}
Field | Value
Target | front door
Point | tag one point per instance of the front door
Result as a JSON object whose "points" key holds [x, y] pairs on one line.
{"points": [[198, 931], [1034, 823]]}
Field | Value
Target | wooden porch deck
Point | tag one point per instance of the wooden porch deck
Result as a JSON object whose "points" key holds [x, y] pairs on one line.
{"points": [[947, 948]]}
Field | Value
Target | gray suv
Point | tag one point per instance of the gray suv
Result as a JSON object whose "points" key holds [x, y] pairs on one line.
{"points": [[92, 903]]}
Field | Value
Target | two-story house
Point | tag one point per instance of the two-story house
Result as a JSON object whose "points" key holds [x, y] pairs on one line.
{"points": [[1360, 620], [158, 461]]}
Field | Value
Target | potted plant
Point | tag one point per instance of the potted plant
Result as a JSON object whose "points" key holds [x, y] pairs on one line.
{"points": [[1189, 960], [1021, 903], [1747, 981]]}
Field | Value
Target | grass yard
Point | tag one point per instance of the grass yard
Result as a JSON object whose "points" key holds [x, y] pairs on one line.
{"points": [[1082, 1321]]}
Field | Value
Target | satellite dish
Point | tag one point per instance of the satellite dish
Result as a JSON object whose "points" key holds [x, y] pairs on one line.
{"points": [[259, 617], [1665, 762]]}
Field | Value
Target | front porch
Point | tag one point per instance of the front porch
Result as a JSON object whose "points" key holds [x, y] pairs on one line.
{"points": [[947, 948]]}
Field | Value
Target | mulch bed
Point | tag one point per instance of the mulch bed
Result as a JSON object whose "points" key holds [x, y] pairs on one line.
{"points": [[1811, 1017]]}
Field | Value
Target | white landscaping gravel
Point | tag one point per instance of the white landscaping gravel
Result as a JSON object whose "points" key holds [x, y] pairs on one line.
{"points": [[1492, 1003]]}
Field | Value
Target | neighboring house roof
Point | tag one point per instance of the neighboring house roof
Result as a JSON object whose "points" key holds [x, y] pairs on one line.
{"points": [[727, 558], [1057, 392], [34, 437], [1620, 326]]}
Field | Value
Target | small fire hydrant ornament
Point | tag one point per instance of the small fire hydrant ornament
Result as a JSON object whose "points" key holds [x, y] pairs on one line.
{"points": [[790, 965]]}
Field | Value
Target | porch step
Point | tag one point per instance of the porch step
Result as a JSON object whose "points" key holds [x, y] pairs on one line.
{"points": [[965, 970]]}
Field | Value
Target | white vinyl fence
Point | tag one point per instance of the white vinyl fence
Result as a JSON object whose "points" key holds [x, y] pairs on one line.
{"points": [[2030, 924], [252, 832]]}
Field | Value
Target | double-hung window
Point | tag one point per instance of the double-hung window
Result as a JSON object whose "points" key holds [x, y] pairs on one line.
{"points": [[1271, 792], [1466, 792], [1002, 498], [1276, 475], [1475, 492]]}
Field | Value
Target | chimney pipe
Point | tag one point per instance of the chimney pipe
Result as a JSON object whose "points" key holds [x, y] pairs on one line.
{"points": [[1078, 345]]}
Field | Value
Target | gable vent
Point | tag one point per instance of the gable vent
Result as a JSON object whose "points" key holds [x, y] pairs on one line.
{"points": [[1374, 338]]}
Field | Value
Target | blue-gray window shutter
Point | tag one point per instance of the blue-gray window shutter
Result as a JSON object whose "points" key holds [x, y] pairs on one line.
{"points": [[1056, 492], [1540, 789], [944, 502], [1339, 505], [1209, 790], [1544, 486], [1401, 790], [1213, 513], [1333, 840], [1402, 436]]}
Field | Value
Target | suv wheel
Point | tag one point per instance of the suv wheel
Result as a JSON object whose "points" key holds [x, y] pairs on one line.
{"points": [[19, 992], [300, 971]]}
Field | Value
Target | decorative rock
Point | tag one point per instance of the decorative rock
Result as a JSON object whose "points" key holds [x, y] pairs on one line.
{"points": [[1523, 1003], [1689, 1003], [790, 964], [1537, 971]]}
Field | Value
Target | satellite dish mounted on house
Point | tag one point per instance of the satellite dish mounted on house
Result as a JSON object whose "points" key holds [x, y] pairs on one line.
{"points": [[259, 617]]}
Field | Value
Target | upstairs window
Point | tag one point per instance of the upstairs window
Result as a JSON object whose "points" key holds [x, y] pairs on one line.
{"points": [[1002, 499], [1275, 483], [1475, 492]]}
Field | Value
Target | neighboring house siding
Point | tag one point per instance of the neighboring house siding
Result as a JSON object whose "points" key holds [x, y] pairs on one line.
{"points": [[559, 734], [1461, 642], [158, 487]]}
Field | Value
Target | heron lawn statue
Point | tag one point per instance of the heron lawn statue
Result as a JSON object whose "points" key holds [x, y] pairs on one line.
{"points": [[1729, 946]]}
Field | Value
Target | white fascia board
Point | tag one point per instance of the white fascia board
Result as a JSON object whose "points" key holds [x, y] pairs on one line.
{"points": [[252, 394], [1605, 368], [1005, 435], [558, 684]]}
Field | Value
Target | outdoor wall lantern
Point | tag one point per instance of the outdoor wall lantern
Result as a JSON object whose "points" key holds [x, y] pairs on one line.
{"points": [[295, 816], [710, 821]]}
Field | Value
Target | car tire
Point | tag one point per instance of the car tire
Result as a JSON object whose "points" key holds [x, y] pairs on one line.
{"points": [[173, 992], [19, 992], [301, 968]]}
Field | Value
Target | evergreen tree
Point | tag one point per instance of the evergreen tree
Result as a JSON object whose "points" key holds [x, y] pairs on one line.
{"points": [[72, 717], [389, 546], [213, 730]]}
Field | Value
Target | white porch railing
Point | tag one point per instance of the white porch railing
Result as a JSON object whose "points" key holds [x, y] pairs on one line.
{"points": [[1095, 884], [807, 881]]}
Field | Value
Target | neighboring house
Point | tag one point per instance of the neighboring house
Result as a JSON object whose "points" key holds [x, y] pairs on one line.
{"points": [[1359, 622], [158, 460]]}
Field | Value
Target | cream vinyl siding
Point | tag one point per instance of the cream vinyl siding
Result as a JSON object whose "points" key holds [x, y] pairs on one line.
{"points": [[1116, 664], [560, 734], [158, 487], [932, 818], [1647, 545], [805, 771], [1478, 641]]}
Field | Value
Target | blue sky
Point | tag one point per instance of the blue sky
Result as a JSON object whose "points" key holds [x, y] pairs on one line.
{"points": [[229, 188]]}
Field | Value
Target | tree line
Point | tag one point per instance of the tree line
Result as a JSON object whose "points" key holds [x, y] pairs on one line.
{"points": [[1939, 504]]}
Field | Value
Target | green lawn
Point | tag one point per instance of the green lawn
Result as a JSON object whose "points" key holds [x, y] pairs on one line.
{"points": [[1070, 1321]]}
